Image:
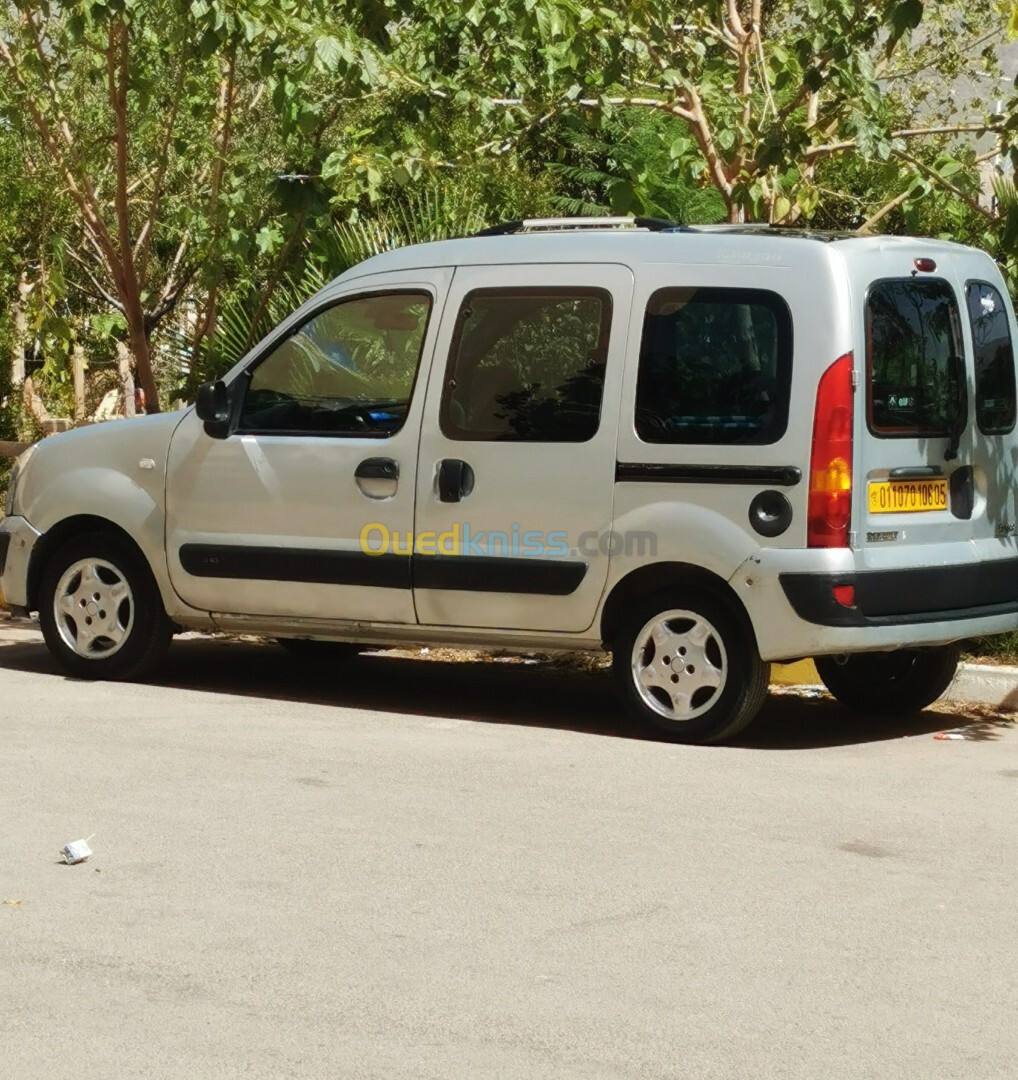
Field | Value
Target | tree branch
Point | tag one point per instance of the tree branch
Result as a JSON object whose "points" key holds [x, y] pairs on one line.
{"points": [[906, 133], [972, 204], [143, 245], [596, 103], [735, 19], [116, 65], [884, 210], [171, 285], [82, 193]]}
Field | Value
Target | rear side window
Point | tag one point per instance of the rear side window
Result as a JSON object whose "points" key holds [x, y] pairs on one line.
{"points": [[994, 358], [715, 367], [913, 338], [527, 365]]}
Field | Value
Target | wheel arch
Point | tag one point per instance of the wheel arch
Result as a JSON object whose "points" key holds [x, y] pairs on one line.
{"points": [[647, 580], [54, 538]]}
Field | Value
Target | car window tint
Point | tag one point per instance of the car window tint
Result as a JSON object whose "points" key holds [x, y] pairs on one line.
{"points": [[527, 365], [912, 333], [994, 359], [715, 367], [349, 370]]}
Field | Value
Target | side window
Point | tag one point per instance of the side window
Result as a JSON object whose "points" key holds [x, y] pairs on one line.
{"points": [[527, 365], [994, 358], [349, 370], [913, 336], [715, 367]]}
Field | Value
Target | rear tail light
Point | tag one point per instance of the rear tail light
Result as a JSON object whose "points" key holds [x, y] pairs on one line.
{"points": [[830, 467]]}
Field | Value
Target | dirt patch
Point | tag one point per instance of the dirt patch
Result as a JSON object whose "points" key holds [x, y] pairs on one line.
{"points": [[566, 662]]}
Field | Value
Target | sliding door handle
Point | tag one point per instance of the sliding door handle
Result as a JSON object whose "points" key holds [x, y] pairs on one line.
{"points": [[455, 480]]}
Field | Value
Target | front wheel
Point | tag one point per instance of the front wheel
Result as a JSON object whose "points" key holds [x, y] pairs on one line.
{"points": [[100, 610], [891, 683], [684, 664]]}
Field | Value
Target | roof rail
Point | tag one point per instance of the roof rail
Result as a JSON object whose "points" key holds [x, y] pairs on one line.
{"points": [[521, 225]]}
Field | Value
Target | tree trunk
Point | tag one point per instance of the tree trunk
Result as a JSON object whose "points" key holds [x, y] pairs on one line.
{"points": [[126, 378], [78, 374], [138, 341], [35, 405], [20, 333]]}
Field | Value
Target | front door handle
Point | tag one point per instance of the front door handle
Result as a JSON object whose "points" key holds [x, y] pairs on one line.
{"points": [[377, 468], [377, 477], [455, 480]]}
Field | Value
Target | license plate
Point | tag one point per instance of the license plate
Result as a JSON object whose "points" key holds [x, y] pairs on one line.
{"points": [[907, 496]]}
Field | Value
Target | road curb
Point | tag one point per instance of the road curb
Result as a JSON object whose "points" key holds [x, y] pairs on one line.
{"points": [[975, 684], [985, 684]]}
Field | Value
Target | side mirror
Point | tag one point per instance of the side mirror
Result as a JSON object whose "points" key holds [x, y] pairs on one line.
{"points": [[212, 406]]}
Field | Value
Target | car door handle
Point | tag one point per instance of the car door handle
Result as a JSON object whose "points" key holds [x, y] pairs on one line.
{"points": [[455, 480], [377, 468]]}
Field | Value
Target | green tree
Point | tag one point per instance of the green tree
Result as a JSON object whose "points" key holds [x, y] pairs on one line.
{"points": [[158, 120], [758, 93]]}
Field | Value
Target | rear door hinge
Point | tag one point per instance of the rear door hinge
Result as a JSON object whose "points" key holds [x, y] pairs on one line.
{"points": [[855, 378]]}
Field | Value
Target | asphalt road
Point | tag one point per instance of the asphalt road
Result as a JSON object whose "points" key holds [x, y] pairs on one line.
{"points": [[424, 869]]}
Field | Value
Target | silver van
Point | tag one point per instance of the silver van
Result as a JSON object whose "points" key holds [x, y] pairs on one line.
{"points": [[703, 449]]}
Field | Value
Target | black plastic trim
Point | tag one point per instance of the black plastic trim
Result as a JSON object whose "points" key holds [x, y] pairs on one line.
{"points": [[652, 472], [503, 228], [916, 472], [482, 573], [310, 565], [898, 597], [5, 546], [463, 573]]}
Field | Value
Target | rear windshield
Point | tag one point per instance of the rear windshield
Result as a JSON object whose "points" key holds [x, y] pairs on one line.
{"points": [[912, 333], [715, 367], [994, 357]]}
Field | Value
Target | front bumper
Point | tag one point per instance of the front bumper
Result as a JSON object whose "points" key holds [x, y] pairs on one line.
{"points": [[17, 541]]}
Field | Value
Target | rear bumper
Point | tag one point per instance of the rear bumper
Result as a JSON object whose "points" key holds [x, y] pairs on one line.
{"points": [[788, 595], [17, 541], [906, 597]]}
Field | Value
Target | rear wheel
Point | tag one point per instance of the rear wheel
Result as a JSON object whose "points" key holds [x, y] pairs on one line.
{"points": [[892, 683], [100, 609], [684, 664]]}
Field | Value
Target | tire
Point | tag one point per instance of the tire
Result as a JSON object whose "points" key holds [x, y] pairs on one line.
{"points": [[312, 651], [700, 640], [121, 635], [890, 684]]}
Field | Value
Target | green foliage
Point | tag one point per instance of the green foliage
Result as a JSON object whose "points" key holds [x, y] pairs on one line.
{"points": [[625, 165], [244, 321], [436, 212], [273, 143], [447, 203]]}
